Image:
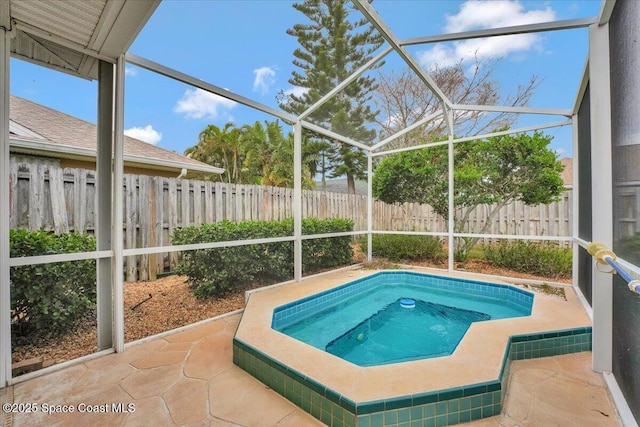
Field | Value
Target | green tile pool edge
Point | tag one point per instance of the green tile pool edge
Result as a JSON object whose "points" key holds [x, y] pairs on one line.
{"points": [[437, 408]]}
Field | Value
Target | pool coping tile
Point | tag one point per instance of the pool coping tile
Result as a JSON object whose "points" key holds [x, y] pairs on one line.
{"points": [[352, 391]]}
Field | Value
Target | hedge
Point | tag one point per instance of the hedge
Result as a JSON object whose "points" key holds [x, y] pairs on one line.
{"points": [[47, 298], [219, 271], [397, 247], [544, 259]]}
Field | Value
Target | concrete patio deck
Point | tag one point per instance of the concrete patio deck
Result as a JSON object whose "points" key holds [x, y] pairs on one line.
{"points": [[188, 379]]}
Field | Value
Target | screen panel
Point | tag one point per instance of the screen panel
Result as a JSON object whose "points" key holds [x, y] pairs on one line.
{"points": [[583, 193], [584, 167], [625, 117]]}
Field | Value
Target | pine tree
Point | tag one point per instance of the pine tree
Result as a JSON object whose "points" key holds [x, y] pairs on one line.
{"points": [[332, 47]]}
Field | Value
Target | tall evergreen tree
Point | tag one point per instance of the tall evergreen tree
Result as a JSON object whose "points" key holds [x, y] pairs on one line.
{"points": [[332, 47]]}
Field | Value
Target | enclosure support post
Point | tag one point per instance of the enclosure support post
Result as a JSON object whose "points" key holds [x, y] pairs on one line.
{"points": [[117, 220], [297, 200], [5, 293], [451, 219], [369, 206], [575, 206], [103, 188], [601, 185]]}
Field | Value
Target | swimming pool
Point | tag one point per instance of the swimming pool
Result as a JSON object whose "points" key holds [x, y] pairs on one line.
{"points": [[468, 385], [365, 322]]}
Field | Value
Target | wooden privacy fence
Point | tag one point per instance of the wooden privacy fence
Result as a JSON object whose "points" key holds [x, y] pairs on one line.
{"points": [[45, 196]]}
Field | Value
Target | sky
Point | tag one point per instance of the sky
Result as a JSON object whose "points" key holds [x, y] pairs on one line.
{"points": [[242, 46]]}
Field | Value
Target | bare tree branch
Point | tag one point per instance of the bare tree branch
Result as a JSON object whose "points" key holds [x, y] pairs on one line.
{"points": [[404, 99]]}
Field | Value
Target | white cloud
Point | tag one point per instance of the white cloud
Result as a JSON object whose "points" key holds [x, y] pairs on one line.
{"points": [[264, 78], [293, 91], [482, 14], [296, 91], [146, 134], [129, 71], [197, 103]]}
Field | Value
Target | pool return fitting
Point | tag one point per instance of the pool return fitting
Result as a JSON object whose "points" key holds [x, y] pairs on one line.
{"points": [[605, 256]]}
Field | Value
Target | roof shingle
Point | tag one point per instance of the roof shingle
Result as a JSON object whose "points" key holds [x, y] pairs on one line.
{"points": [[60, 128]]}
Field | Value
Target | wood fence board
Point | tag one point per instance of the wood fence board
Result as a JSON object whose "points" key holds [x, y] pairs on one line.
{"points": [[131, 220], [185, 203], [172, 220], [144, 196], [80, 200], [209, 206], [36, 196], [228, 214], [13, 190], [58, 204], [219, 203], [159, 222]]}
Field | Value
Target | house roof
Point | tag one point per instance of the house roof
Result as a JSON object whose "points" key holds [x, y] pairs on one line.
{"points": [[567, 173], [339, 185], [72, 36], [36, 129]]}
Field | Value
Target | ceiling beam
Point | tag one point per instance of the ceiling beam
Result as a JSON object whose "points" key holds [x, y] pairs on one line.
{"points": [[200, 84], [476, 137], [513, 109], [344, 83], [334, 135], [408, 129], [605, 11], [504, 31]]}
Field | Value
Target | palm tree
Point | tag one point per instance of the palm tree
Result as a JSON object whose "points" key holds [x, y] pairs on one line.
{"points": [[222, 148]]}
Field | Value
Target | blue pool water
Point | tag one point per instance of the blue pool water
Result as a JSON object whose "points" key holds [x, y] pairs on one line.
{"points": [[365, 322]]}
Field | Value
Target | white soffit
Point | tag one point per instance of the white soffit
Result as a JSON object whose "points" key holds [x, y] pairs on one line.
{"points": [[71, 36]]}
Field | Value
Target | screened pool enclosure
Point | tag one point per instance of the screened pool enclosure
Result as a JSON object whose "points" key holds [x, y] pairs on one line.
{"points": [[602, 120]]}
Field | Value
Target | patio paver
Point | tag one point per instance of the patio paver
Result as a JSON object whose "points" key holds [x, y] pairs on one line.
{"points": [[188, 378]]}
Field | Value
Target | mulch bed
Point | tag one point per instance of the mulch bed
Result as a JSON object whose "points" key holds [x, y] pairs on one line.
{"points": [[171, 305], [484, 267]]}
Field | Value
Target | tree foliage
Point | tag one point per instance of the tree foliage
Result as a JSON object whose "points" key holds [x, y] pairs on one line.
{"points": [[222, 148], [404, 99], [332, 47], [495, 171], [252, 154]]}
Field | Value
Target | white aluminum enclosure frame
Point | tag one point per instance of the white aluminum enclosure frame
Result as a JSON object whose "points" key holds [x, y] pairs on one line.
{"points": [[602, 199], [5, 296], [116, 253]]}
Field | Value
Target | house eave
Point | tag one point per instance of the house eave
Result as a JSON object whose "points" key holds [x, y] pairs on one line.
{"points": [[61, 151]]}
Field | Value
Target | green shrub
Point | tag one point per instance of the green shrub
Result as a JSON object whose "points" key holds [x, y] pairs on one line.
{"points": [[46, 298], [544, 259], [219, 271], [318, 254], [398, 247]]}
